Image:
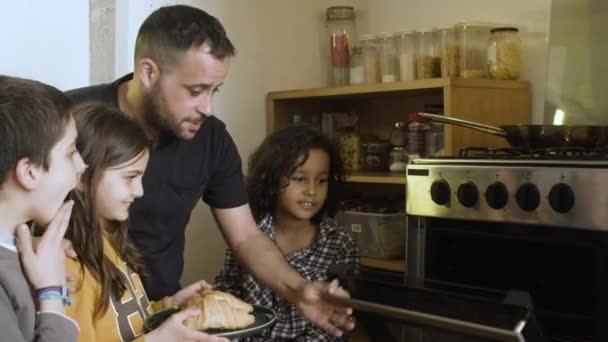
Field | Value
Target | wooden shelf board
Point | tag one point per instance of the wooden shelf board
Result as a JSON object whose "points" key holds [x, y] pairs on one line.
{"points": [[377, 177], [390, 265], [362, 89]]}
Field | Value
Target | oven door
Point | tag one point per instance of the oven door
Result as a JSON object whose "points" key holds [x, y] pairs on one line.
{"points": [[563, 270], [429, 315]]}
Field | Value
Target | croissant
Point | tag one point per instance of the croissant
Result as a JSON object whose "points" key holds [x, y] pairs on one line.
{"points": [[219, 310]]}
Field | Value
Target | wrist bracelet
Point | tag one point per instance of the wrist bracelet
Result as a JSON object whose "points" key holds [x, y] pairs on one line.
{"points": [[54, 292]]}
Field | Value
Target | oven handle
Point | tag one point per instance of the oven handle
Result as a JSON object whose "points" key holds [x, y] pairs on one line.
{"points": [[420, 318]]}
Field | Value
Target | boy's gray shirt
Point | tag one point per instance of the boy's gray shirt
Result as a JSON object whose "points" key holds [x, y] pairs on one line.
{"points": [[19, 321]]}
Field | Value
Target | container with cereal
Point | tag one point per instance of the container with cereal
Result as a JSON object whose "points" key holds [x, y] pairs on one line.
{"points": [[504, 53], [350, 150]]}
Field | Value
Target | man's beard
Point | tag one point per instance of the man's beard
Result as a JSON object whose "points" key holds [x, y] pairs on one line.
{"points": [[153, 116]]}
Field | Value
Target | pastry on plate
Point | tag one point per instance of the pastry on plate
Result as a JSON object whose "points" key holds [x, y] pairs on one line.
{"points": [[219, 310]]}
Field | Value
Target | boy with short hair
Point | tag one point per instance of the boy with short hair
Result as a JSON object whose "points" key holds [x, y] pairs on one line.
{"points": [[39, 165]]}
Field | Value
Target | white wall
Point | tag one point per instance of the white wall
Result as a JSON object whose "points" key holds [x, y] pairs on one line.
{"points": [[46, 40]]}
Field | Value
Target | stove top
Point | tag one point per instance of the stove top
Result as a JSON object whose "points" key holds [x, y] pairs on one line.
{"points": [[575, 157]]}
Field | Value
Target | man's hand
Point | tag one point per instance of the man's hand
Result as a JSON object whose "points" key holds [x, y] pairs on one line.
{"points": [[181, 296], [44, 264], [314, 307]]}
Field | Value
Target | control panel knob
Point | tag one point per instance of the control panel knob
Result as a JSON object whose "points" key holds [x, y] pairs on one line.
{"points": [[468, 194], [527, 197], [561, 198], [440, 192], [497, 195]]}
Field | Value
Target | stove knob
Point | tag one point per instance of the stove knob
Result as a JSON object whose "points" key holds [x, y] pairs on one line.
{"points": [[528, 197], [468, 194], [440, 192], [497, 195], [561, 198]]}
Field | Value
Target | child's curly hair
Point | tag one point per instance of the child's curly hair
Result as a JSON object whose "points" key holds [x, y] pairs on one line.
{"points": [[276, 158]]}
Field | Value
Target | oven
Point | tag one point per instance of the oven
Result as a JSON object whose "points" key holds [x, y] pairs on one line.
{"points": [[502, 245]]}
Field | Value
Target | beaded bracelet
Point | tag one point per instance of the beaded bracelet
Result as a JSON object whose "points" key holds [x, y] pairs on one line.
{"points": [[54, 292]]}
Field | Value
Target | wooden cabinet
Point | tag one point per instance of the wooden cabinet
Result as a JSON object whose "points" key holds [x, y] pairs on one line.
{"points": [[380, 105]]}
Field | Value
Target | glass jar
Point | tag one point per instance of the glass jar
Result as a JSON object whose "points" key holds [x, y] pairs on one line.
{"points": [[406, 52], [370, 58], [357, 76], [350, 151], [416, 134], [399, 134], [434, 140], [388, 66], [375, 155], [341, 30], [428, 63], [397, 159], [504, 53], [473, 38], [449, 50]]}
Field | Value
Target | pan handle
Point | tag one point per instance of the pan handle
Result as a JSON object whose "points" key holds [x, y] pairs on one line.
{"points": [[464, 123]]}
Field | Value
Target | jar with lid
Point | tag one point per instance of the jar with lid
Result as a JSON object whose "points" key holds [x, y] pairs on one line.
{"points": [[340, 22], [416, 134], [357, 76], [429, 65], [449, 50], [371, 66], [473, 38], [399, 134], [388, 66], [434, 140], [375, 155], [350, 150], [397, 159], [504, 53], [406, 52]]}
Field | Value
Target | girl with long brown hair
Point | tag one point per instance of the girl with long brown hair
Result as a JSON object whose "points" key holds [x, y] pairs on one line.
{"points": [[110, 301]]}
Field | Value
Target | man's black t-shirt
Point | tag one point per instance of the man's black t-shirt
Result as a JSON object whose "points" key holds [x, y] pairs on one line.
{"points": [[179, 173]]}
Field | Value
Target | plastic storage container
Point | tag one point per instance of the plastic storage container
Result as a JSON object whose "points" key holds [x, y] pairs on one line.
{"points": [[350, 151], [405, 42], [371, 67], [449, 49], [473, 38], [340, 22], [388, 58], [357, 75], [429, 62], [504, 53], [375, 155], [416, 135], [397, 159], [377, 235]]}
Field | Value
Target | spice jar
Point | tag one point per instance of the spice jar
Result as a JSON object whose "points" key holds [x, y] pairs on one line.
{"points": [[473, 39], [357, 75], [397, 159], [416, 134], [504, 53], [428, 63], [450, 52], [340, 22], [399, 134], [388, 66], [370, 58], [375, 155], [406, 52], [350, 150]]}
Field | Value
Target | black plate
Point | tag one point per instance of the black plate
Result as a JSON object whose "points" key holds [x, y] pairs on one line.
{"points": [[264, 318]]}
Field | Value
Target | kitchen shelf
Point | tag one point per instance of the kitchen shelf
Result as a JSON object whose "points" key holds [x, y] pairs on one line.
{"points": [[376, 177], [389, 265]]}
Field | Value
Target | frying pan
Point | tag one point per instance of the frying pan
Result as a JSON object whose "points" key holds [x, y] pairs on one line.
{"points": [[536, 136]]}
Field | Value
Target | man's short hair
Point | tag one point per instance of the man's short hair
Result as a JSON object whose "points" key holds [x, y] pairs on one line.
{"points": [[171, 30], [33, 118]]}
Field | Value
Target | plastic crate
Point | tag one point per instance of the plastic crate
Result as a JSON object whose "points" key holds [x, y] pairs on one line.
{"points": [[377, 235]]}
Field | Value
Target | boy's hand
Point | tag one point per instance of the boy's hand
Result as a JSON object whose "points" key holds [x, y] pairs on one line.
{"points": [[67, 246], [44, 264]]}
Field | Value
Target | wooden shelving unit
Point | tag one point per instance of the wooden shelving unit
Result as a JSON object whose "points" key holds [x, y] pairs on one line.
{"points": [[380, 105]]}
